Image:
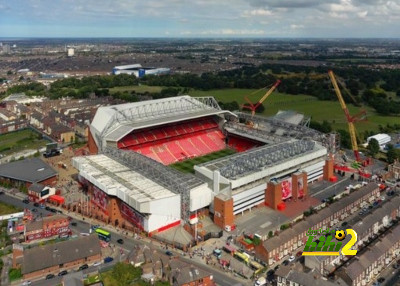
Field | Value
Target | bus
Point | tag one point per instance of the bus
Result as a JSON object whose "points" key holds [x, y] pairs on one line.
{"points": [[103, 235], [257, 267], [241, 257]]}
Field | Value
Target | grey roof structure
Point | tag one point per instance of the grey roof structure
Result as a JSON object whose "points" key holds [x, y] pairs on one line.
{"points": [[309, 279], [183, 273], [258, 159], [31, 170], [36, 187], [43, 257]]}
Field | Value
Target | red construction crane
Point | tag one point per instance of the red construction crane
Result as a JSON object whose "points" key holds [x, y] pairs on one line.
{"points": [[252, 106], [350, 119]]}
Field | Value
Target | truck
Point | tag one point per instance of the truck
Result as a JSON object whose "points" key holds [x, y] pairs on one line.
{"points": [[52, 153]]}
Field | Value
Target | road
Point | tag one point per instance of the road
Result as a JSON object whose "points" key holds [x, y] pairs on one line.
{"points": [[129, 242]]}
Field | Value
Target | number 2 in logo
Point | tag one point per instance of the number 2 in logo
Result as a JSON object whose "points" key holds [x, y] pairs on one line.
{"points": [[346, 248]]}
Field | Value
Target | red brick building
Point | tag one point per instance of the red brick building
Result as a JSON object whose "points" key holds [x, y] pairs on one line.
{"points": [[51, 226]]}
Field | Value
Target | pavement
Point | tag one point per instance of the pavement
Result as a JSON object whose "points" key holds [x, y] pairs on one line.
{"points": [[7, 264]]}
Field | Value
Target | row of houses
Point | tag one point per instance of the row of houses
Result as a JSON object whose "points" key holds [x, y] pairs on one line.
{"points": [[287, 242], [60, 119], [369, 264], [367, 229]]}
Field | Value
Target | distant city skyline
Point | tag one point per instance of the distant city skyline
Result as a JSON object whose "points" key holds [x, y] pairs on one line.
{"points": [[201, 18]]}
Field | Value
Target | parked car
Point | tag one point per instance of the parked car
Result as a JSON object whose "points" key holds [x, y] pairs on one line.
{"points": [[344, 223], [382, 198], [34, 210], [53, 210], [291, 258], [270, 272], [26, 283], [62, 273], [169, 253], [73, 223], [286, 262], [84, 266], [25, 201], [47, 208], [381, 279], [50, 276], [298, 254], [36, 205], [120, 241], [108, 259], [97, 263]]}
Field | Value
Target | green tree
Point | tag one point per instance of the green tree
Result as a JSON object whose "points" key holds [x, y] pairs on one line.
{"points": [[124, 273], [391, 154], [373, 147]]}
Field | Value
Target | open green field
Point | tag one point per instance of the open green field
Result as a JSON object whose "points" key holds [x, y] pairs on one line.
{"points": [[308, 105], [19, 140], [138, 89], [187, 166]]}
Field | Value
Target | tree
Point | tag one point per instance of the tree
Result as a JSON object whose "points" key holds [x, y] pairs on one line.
{"points": [[391, 153], [373, 147], [125, 273]]}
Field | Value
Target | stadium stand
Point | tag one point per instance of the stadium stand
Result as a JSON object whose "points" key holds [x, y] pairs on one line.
{"points": [[172, 143], [241, 144]]}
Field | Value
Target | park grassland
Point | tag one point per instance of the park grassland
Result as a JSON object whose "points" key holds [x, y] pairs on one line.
{"points": [[187, 165], [138, 89], [20, 140], [319, 110], [6, 209]]}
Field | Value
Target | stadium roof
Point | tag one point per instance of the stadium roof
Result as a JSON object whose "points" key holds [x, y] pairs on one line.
{"points": [[120, 180], [28, 170], [264, 161], [114, 122]]}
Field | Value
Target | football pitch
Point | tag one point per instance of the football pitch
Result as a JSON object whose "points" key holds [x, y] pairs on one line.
{"points": [[187, 165]]}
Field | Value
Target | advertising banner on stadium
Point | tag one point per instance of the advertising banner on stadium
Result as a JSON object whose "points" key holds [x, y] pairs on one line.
{"points": [[100, 199], [300, 187], [132, 216], [287, 189]]}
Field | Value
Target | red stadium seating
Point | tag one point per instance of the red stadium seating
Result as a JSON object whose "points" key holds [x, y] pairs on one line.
{"points": [[177, 142], [242, 144]]}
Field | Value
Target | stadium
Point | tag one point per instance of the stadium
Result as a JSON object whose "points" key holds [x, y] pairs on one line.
{"points": [[130, 178]]}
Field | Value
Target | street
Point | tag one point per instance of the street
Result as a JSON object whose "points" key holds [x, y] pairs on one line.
{"points": [[83, 225]]}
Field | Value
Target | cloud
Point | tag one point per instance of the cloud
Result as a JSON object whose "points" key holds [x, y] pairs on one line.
{"points": [[285, 3], [232, 32], [295, 26], [257, 12]]}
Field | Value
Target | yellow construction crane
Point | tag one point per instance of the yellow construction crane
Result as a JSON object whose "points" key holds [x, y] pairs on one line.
{"points": [[350, 119]]}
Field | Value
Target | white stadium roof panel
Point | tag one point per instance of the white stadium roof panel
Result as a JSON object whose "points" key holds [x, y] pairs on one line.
{"points": [[114, 122], [119, 180]]}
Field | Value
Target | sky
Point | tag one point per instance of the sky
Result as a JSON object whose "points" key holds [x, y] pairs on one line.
{"points": [[201, 18]]}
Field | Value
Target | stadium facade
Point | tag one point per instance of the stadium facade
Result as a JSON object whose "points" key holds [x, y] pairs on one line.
{"points": [[132, 145], [139, 71]]}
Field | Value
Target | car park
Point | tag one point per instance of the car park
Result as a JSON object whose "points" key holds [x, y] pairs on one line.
{"points": [[50, 276], [62, 273]]}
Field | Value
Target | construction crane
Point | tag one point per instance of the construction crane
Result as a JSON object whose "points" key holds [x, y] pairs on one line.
{"points": [[350, 119], [252, 106]]}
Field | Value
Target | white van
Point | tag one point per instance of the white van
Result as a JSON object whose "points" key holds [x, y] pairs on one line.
{"points": [[261, 282]]}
